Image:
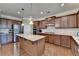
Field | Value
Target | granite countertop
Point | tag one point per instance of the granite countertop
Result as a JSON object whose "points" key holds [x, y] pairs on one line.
{"points": [[76, 38], [31, 37]]}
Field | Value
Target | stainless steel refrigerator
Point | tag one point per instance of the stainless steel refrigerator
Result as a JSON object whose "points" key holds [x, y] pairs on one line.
{"points": [[16, 29]]}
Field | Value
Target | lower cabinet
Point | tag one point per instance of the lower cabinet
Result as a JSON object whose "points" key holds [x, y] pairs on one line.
{"points": [[51, 39], [65, 41], [47, 39], [74, 48], [56, 39]]}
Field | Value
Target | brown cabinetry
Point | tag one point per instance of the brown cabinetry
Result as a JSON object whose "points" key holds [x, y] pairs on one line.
{"points": [[51, 20], [72, 21], [58, 22], [64, 22], [51, 39], [43, 24], [74, 47], [78, 20], [69, 21], [65, 41], [36, 24], [61, 22], [56, 39]]}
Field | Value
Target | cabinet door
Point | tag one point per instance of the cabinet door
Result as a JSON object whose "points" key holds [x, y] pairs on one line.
{"points": [[65, 41], [58, 22], [72, 21], [78, 19], [64, 22], [47, 38], [51, 39], [3, 23], [50, 21], [74, 47], [36, 24], [56, 39], [76, 50], [42, 24]]}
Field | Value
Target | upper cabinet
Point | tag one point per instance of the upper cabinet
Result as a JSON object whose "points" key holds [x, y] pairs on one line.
{"points": [[61, 22], [64, 22], [58, 22], [43, 24], [69, 21], [36, 24], [51, 20], [78, 19], [72, 21], [7, 23]]}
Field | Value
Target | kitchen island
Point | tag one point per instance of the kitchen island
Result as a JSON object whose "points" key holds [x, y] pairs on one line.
{"points": [[33, 45]]}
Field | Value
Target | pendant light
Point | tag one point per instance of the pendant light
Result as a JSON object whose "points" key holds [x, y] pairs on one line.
{"points": [[22, 23], [22, 17], [30, 19]]}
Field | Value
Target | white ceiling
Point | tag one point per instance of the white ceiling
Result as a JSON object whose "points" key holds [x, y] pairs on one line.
{"points": [[11, 9]]}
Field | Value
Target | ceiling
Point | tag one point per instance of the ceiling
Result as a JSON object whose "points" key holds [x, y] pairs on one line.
{"points": [[34, 9]]}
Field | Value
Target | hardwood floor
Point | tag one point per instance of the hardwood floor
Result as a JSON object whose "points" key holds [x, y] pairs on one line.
{"points": [[50, 50]]}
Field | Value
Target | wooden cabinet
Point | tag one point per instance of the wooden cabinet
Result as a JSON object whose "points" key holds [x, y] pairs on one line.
{"points": [[6, 23], [78, 20], [61, 22], [72, 21], [69, 21], [47, 38], [64, 22], [51, 20], [32, 48], [58, 22], [65, 41], [56, 39], [51, 39], [43, 24], [36, 24], [74, 48]]}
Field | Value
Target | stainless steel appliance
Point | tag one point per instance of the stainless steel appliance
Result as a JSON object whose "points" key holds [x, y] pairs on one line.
{"points": [[15, 31], [35, 31]]}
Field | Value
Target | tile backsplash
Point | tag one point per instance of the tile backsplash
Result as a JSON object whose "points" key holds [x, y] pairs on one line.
{"points": [[62, 31], [67, 31]]}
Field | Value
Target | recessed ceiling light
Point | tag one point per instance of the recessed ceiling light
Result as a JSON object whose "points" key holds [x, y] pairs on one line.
{"points": [[18, 12], [41, 12], [62, 4]]}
